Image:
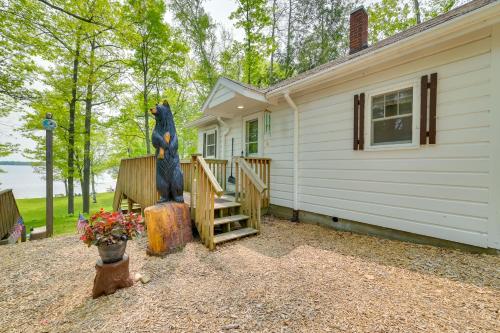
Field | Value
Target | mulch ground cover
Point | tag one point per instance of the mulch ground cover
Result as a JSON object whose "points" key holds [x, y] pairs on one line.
{"points": [[291, 278]]}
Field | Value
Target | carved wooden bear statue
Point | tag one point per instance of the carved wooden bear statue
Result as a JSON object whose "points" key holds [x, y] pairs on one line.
{"points": [[169, 179]]}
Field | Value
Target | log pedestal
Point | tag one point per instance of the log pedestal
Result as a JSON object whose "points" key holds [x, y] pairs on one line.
{"points": [[111, 277], [169, 227]]}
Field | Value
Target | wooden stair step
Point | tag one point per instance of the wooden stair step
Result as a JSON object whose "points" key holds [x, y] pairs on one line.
{"points": [[230, 219], [235, 234], [227, 204]]}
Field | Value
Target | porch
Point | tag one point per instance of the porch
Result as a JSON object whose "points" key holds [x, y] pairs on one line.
{"points": [[219, 215]]}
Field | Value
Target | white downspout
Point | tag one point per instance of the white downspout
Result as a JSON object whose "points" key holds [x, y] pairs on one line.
{"points": [[225, 131], [295, 154]]}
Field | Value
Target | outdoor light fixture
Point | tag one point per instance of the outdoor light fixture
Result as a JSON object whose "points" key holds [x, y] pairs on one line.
{"points": [[240, 107]]}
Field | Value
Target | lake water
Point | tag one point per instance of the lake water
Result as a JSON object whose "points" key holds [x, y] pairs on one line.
{"points": [[26, 183]]}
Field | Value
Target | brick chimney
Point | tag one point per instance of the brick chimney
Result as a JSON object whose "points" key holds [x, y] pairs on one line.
{"points": [[358, 34]]}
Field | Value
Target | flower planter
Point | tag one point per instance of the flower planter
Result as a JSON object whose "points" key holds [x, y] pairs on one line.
{"points": [[112, 253]]}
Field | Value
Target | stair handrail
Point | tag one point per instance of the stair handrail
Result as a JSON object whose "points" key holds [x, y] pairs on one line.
{"points": [[218, 168], [204, 189], [249, 189], [262, 167], [137, 180]]}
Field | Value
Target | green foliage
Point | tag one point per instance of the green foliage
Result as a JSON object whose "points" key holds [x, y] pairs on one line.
{"points": [[16, 65], [438, 7], [252, 16], [200, 31], [388, 17], [323, 32], [158, 51]]}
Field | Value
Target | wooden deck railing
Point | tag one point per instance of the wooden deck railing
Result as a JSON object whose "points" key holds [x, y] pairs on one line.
{"points": [[249, 190], [137, 180], [262, 167], [218, 168], [206, 187], [187, 171], [9, 212]]}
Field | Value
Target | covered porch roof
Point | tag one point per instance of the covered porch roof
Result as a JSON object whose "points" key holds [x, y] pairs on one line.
{"points": [[229, 98]]}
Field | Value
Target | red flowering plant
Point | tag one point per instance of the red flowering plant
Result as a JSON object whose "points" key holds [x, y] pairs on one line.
{"points": [[106, 228]]}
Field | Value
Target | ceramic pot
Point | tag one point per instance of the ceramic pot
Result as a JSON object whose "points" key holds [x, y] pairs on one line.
{"points": [[112, 253]]}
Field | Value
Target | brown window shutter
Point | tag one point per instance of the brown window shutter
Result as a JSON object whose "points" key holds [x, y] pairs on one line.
{"points": [[431, 89], [432, 109], [423, 110], [361, 121], [356, 122]]}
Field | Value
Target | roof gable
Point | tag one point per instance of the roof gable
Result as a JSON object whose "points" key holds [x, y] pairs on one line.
{"points": [[230, 92]]}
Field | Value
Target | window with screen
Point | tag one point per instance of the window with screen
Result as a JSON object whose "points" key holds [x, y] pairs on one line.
{"points": [[391, 118]]}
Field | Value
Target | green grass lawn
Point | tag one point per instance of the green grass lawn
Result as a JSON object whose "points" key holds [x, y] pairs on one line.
{"points": [[33, 212]]}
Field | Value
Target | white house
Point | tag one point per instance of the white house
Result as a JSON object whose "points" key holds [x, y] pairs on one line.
{"points": [[404, 134]]}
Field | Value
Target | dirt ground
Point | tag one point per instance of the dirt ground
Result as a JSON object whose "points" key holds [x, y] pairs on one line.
{"points": [[291, 278]]}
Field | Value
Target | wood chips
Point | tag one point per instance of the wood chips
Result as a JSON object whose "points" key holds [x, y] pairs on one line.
{"points": [[291, 278]]}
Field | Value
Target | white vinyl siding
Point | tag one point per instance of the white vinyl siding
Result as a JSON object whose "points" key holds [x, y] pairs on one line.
{"points": [[279, 148], [436, 190]]}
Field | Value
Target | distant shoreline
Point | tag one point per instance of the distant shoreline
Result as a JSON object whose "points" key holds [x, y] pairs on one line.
{"points": [[20, 163], [62, 196]]}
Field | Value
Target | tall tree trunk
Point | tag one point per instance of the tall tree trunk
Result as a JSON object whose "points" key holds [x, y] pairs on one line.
{"points": [[71, 129], [88, 121], [249, 48], [273, 33], [65, 181], [288, 59], [94, 198], [416, 6], [145, 97], [146, 118]]}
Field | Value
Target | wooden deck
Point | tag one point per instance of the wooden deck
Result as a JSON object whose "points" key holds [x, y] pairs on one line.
{"points": [[214, 212], [225, 201]]}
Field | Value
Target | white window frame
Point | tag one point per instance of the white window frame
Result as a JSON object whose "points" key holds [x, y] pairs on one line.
{"points": [[415, 142], [207, 133], [259, 117]]}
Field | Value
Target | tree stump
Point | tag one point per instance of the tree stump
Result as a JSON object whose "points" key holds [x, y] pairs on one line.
{"points": [[169, 227], [111, 277]]}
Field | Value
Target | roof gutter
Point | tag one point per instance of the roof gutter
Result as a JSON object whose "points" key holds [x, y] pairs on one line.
{"points": [[205, 120]]}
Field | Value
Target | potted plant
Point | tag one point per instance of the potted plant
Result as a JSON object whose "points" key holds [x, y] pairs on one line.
{"points": [[110, 232]]}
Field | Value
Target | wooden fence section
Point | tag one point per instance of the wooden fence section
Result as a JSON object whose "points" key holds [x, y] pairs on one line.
{"points": [[262, 167], [137, 181], [9, 212], [203, 201], [249, 191], [187, 171], [218, 168]]}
